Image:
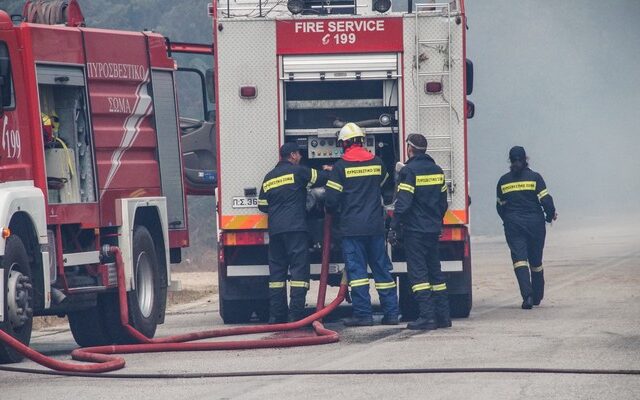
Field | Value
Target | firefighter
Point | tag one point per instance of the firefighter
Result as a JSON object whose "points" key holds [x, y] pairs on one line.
{"points": [[283, 196], [355, 189], [524, 204], [421, 202]]}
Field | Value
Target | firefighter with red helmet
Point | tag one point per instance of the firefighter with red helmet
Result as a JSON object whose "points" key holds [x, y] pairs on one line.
{"points": [[421, 202], [524, 204], [354, 191], [283, 196]]}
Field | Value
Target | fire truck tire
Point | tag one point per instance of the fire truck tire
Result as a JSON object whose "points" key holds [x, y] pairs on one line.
{"points": [[408, 305], [144, 302], [460, 305], [18, 298], [88, 327], [236, 311]]}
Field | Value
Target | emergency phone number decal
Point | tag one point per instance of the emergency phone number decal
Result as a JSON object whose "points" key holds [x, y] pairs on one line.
{"points": [[245, 202], [339, 35]]}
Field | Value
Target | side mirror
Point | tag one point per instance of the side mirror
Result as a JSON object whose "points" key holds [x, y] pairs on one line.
{"points": [[471, 109], [469, 71], [208, 76]]}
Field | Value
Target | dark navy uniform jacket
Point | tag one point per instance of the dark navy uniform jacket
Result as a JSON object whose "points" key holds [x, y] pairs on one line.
{"points": [[283, 196], [354, 188], [524, 197], [421, 201]]}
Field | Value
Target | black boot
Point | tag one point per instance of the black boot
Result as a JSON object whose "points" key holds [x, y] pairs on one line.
{"points": [[427, 318], [297, 303], [443, 315], [527, 303], [524, 282], [278, 310], [537, 283], [390, 320]]}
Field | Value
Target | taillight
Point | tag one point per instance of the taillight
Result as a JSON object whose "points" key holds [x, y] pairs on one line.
{"points": [[245, 238], [453, 234]]}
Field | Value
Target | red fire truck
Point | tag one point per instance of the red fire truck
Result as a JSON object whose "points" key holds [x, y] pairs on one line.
{"points": [[296, 72], [90, 157]]}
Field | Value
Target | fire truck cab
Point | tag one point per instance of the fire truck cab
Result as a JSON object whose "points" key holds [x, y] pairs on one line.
{"points": [[297, 72], [90, 156]]}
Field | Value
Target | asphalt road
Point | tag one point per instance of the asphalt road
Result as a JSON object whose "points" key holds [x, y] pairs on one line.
{"points": [[590, 318]]}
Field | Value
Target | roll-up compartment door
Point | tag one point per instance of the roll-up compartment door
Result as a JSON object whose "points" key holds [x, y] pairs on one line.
{"points": [[164, 103], [55, 75], [340, 66]]}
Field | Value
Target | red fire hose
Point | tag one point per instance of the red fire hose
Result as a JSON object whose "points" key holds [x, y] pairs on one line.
{"points": [[104, 359]]}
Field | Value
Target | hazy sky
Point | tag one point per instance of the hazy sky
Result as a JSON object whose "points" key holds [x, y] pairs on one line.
{"points": [[561, 78]]}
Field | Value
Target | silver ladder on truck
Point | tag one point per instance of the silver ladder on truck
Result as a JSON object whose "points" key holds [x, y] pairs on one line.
{"points": [[433, 75]]}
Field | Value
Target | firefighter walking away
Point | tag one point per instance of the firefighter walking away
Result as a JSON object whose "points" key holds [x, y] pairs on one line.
{"points": [[354, 189], [421, 202], [524, 204], [283, 196]]}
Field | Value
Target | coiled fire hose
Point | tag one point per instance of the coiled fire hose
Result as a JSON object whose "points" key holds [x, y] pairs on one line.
{"points": [[104, 359]]}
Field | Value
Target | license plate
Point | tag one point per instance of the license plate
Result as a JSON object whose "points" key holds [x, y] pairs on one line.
{"points": [[245, 202]]}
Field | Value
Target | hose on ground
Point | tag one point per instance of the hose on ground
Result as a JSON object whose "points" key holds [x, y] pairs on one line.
{"points": [[335, 372], [103, 359]]}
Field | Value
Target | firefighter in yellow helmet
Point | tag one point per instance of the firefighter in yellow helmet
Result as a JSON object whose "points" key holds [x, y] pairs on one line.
{"points": [[354, 189]]}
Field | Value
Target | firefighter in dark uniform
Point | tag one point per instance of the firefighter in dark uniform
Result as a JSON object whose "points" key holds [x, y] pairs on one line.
{"points": [[283, 196], [355, 189], [524, 204], [421, 202]]}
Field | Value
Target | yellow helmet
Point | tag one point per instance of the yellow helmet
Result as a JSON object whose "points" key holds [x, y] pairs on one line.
{"points": [[350, 131]]}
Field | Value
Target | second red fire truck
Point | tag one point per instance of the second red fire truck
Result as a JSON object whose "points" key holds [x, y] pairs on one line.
{"points": [[89, 156]]}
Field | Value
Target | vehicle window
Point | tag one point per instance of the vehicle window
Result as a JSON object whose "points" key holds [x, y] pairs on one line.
{"points": [[6, 81], [192, 99]]}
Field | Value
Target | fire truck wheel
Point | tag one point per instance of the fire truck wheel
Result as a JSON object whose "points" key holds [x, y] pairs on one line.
{"points": [[236, 311], [18, 298], [460, 305], [87, 327], [144, 301]]}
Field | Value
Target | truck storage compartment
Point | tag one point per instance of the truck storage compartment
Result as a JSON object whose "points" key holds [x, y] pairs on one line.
{"points": [[67, 140]]}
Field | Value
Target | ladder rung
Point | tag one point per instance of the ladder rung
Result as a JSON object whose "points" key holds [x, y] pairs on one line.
{"points": [[435, 105], [436, 137], [439, 149], [442, 73], [434, 41]]}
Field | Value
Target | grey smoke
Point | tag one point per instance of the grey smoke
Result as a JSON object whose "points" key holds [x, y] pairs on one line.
{"points": [[562, 79]]}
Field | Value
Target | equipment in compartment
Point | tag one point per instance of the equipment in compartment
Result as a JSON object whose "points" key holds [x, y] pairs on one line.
{"points": [[69, 152], [61, 170], [321, 147]]}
